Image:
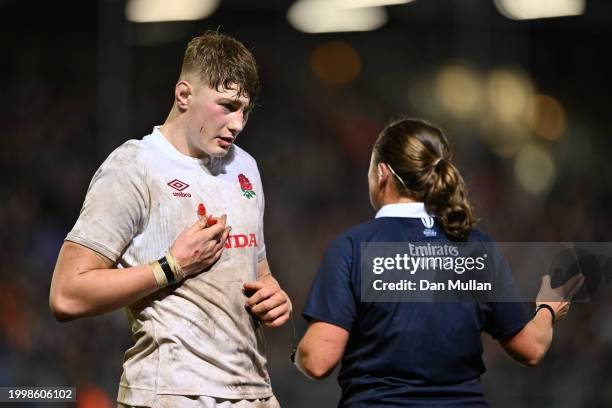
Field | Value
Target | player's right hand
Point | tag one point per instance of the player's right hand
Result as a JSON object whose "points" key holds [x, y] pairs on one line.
{"points": [[199, 246]]}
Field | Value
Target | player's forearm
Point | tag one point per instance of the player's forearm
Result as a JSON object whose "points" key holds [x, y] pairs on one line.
{"points": [[99, 291], [86, 283]]}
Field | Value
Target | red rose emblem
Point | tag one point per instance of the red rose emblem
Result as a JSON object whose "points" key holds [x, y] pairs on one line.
{"points": [[246, 186]]}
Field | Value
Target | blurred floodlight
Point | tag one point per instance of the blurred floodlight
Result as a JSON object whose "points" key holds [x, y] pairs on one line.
{"points": [[369, 3], [335, 62], [149, 11], [547, 117], [534, 169], [530, 9], [324, 16], [421, 99], [459, 90], [507, 139], [509, 93]]}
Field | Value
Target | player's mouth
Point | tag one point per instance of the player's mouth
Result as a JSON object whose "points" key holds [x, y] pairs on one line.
{"points": [[225, 142]]}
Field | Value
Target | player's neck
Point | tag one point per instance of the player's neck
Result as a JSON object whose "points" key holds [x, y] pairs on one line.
{"points": [[175, 131]]}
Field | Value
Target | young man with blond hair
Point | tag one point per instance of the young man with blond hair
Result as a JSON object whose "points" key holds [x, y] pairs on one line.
{"points": [[172, 230]]}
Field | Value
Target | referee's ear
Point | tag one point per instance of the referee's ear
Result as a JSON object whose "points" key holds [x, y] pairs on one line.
{"points": [[383, 173]]}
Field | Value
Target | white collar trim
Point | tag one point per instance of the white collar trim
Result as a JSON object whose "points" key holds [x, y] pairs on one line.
{"points": [[158, 139], [404, 210]]}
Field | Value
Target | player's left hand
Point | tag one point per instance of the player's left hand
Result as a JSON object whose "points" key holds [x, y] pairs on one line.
{"points": [[268, 302]]}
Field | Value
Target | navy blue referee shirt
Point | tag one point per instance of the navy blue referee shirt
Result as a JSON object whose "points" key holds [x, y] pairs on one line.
{"points": [[402, 354]]}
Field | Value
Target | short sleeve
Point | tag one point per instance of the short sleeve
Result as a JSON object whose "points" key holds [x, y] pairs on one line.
{"points": [[115, 205], [505, 319], [508, 314], [261, 205], [331, 297]]}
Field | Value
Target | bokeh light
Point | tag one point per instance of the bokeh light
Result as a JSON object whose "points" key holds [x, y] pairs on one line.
{"points": [[505, 140], [547, 117], [508, 94], [335, 62], [91, 396], [149, 11], [421, 98], [459, 90], [534, 169], [326, 16], [530, 9]]}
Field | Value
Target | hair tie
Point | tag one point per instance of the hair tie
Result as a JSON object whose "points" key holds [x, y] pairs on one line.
{"points": [[438, 163]]}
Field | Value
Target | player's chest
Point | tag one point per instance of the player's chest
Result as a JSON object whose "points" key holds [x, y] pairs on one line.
{"points": [[175, 197]]}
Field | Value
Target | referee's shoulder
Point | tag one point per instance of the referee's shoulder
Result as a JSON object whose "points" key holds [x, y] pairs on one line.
{"points": [[360, 231], [477, 235]]}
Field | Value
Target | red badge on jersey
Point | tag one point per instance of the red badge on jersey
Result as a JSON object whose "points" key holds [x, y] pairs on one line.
{"points": [[246, 186]]}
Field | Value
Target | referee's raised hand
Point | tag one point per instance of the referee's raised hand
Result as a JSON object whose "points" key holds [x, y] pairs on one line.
{"points": [[199, 246], [559, 298]]}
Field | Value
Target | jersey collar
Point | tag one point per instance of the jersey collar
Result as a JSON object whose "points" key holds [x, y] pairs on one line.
{"points": [[403, 210], [158, 139]]}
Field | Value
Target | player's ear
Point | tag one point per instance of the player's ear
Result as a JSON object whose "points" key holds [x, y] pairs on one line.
{"points": [[183, 91]]}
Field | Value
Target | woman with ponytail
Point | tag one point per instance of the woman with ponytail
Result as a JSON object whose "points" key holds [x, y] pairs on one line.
{"points": [[418, 157], [409, 354]]}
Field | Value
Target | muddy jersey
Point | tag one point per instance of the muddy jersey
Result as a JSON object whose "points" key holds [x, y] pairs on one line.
{"points": [[194, 338]]}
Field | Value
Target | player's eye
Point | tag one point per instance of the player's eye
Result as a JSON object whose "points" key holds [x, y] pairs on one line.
{"points": [[229, 106]]}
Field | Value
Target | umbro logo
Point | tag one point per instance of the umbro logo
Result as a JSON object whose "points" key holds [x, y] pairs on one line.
{"points": [[180, 186]]}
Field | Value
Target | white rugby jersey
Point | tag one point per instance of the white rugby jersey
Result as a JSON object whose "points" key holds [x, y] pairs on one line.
{"points": [[194, 338]]}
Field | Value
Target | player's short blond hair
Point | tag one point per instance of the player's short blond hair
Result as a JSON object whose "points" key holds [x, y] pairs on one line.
{"points": [[221, 62]]}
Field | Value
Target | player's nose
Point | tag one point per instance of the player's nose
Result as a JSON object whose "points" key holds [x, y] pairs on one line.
{"points": [[236, 123]]}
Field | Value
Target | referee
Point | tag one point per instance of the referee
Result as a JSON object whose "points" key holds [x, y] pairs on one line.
{"points": [[401, 354]]}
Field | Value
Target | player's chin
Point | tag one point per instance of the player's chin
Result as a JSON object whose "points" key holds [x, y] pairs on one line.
{"points": [[219, 151]]}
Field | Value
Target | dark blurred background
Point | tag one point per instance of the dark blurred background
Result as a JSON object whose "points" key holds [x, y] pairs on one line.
{"points": [[524, 101]]}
